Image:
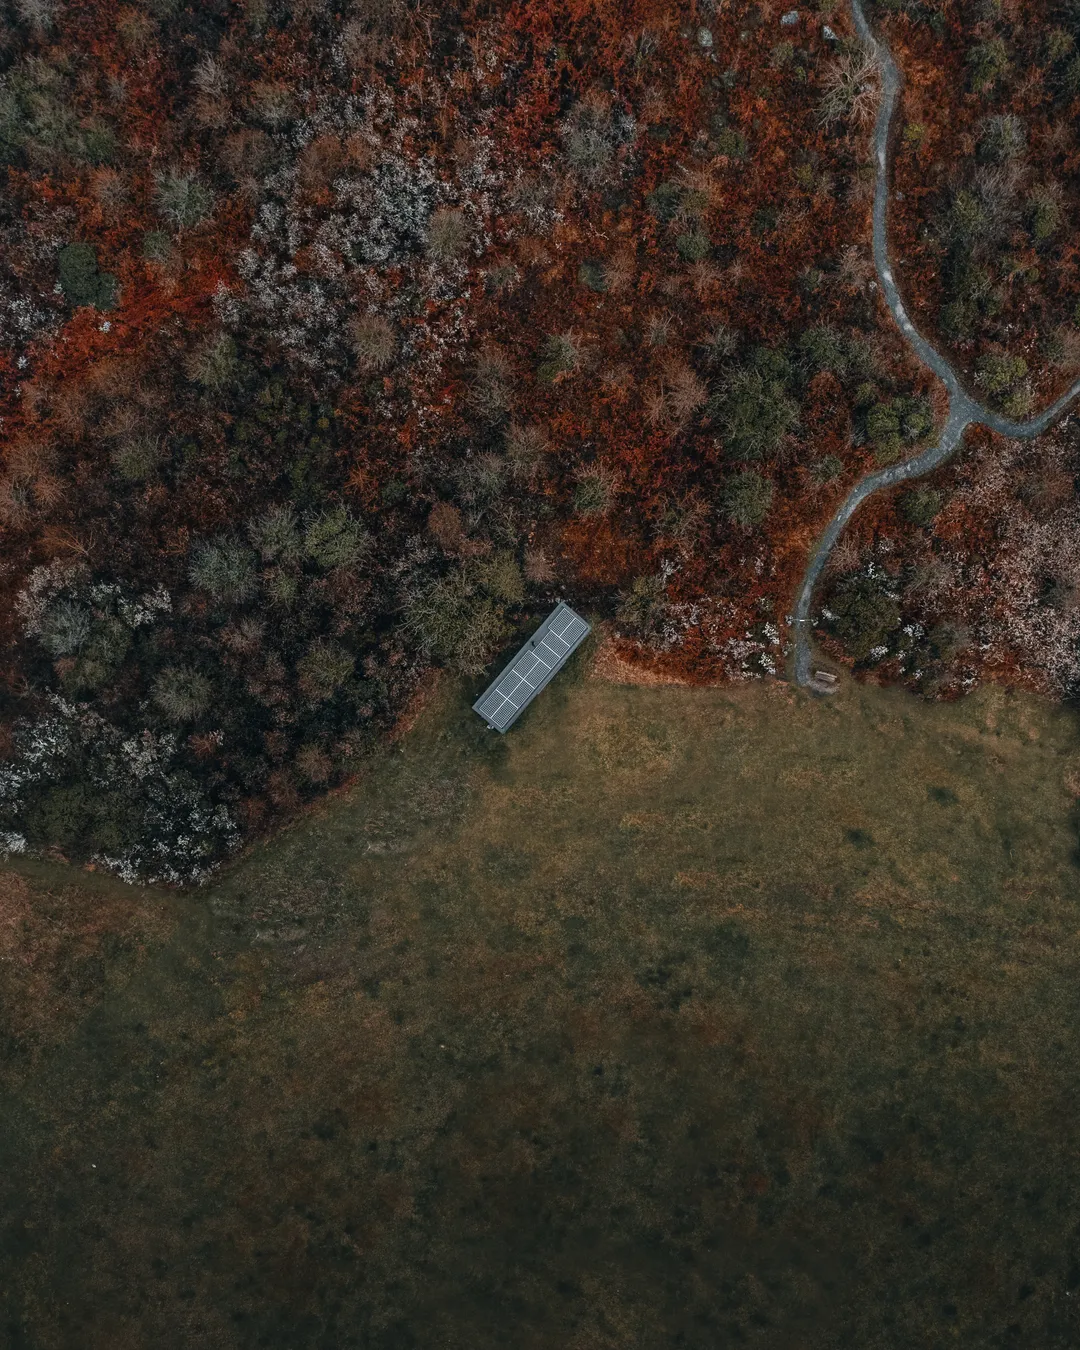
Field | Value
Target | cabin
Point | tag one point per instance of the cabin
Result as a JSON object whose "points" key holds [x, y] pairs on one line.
{"points": [[535, 665]]}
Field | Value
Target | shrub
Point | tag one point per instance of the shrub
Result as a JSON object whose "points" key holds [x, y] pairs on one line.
{"points": [[865, 615], [720, 343], [182, 199], [694, 246], [447, 234], [276, 534], [753, 411], [213, 362], [728, 141], [272, 103], [181, 693], [746, 498], [821, 347], [999, 373], [225, 569], [593, 493], [373, 342], [136, 457], [323, 669], [481, 480], [444, 523], [501, 577], [915, 134], [80, 279], [559, 355], [883, 429], [335, 538], [313, 765], [641, 608], [456, 622], [156, 246], [526, 447], [592, 274], [921, 505], [65, 628], [827, 469], [1004, 138], [592, 134], [916, 417], [1044, 213], [664, 201], [282, 587], [987, 62], [489, 395], [850, 90]]}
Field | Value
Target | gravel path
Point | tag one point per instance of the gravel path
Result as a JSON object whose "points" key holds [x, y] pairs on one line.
{"points": [[964, 411]]}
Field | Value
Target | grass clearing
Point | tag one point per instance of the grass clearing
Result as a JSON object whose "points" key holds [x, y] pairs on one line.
{"points": [[675, 1017]]}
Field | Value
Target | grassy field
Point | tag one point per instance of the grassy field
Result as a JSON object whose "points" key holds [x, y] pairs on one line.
{"points": [[675, 1018]]}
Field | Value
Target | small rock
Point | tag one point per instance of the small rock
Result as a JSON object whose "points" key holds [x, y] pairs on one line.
{"points": [[828, 34], [705, 38], [792, 16]]}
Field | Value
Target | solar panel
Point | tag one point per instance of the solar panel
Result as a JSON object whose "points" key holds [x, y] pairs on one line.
{"points": [[542, 657]]}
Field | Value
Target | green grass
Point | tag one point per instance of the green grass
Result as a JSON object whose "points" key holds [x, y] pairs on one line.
{"points": [[689, 1018]]}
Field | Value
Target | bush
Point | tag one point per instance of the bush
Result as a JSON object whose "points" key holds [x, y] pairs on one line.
{"points": [[181, 693], [999, 374], [526, 446], [821, 347], [501, 577], [865, 615], [489, 395], [729, 141], [182, 199], [65, 628], [136, 457], [481, 480], [641, 608], [753, 411], [592, 134], [80, 279], [373, 342], [664, 200], [213, 362], [920, 506], [323, 669], [883, 429], [746, 498], [156, 246], [987, 62], [335, 538], [98, 791], [916, 417], [276, 534], [225, 569], [456, 622], [1004, 138], [827, 469], [694, 246], [850, 90], [1044, 214], [559, 355], [593, 493], [447, 234], [593, 275]]}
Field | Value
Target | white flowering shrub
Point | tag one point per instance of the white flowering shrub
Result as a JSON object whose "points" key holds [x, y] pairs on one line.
{"points": [[77, 781]]}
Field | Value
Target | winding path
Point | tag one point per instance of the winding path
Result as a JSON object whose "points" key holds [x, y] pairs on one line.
{"points": [[963, 412]]}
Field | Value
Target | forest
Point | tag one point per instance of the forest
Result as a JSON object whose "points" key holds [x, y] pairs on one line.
{"points": [[340, 338]]}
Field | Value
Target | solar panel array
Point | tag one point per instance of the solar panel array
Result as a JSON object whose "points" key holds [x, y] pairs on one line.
{"points": [[545, 653]]}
